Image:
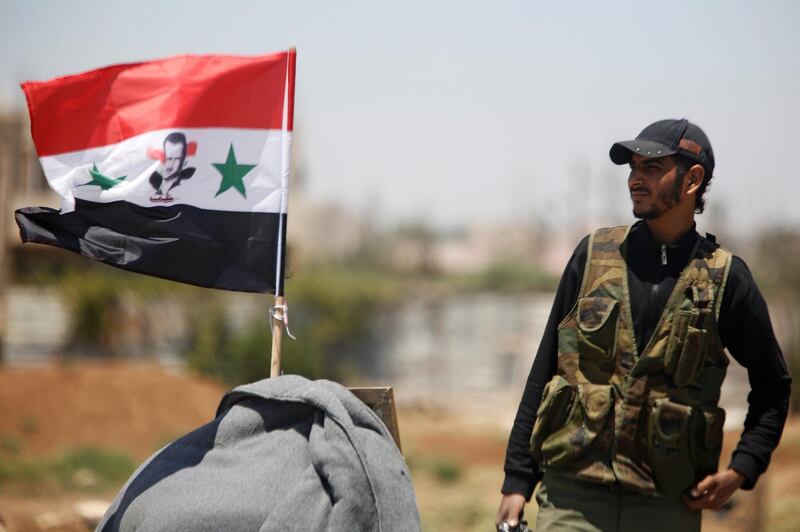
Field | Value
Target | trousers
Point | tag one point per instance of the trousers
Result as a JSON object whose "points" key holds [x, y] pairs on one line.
{"points": [[568, 504]]}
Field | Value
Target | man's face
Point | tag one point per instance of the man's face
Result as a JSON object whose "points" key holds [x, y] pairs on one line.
{"points": [[174, 154], [654, 186]]}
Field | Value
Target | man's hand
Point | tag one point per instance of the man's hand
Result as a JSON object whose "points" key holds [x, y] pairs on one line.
{"points": [[511, 509], [713, 492]]}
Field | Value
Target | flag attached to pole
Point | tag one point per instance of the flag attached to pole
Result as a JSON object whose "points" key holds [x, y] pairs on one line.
{"points": [[177, 168]]}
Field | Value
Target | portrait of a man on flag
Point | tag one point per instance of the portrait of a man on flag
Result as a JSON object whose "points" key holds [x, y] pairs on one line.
{"points": [[174, 156]]}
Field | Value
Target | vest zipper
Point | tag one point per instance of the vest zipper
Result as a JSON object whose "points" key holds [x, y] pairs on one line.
{"points": [[663, 255]]}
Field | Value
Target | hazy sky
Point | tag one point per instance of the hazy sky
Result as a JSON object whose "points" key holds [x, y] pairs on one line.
{"points": [[469, 112]]}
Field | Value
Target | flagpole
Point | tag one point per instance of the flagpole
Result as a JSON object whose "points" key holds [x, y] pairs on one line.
{"points": [[278, 311]]}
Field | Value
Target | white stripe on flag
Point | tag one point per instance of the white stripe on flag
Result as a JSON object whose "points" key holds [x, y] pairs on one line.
{"points": [[68, 173]]}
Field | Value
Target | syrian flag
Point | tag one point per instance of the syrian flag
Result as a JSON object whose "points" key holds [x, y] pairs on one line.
{"points": [[177, 168]]}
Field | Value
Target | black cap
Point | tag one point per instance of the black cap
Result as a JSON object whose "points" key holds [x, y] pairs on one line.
{"points": [[667, 137]]}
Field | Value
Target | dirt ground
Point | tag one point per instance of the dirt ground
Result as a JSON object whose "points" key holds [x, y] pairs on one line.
{"points": [[132, 408], [455, 450]]}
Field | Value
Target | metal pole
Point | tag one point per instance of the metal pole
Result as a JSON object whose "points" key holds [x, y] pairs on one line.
{"points": [[277, 315]]}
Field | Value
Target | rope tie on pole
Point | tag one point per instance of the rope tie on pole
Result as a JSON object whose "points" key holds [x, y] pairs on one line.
{"points": [[281, 313]]}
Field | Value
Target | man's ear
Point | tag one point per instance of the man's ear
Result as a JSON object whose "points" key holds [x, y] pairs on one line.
{"points": [[694, 177]]}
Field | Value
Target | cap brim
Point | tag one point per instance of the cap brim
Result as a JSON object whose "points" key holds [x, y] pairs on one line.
{"points": [[621, 152]]}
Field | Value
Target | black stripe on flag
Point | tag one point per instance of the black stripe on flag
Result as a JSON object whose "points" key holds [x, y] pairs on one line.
{"points": [[217, 249]]}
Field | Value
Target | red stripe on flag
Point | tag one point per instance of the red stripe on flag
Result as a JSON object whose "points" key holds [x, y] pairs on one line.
{"points": [[111, 104]]}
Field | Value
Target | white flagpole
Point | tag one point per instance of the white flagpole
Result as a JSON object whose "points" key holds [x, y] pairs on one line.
{"points": [[278, 311]]}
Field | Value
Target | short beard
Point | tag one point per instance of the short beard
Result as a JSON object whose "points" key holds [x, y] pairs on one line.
{"points": [[668, 198]]}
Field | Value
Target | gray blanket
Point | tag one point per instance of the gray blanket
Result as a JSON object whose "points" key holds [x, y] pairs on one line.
{"points": [[282, 454]]}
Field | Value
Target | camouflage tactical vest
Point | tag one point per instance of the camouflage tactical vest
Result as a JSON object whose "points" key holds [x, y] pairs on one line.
{"points": [[648, 420]]}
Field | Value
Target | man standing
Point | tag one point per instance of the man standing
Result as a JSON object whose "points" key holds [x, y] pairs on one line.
{"points": [[619, 418]]}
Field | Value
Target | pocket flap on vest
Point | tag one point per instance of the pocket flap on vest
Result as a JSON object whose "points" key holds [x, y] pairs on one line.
{"points": [[596, 401], [593, 312]]}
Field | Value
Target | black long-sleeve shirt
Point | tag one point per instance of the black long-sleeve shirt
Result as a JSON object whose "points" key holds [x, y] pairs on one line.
{"points": [[744, 329]]}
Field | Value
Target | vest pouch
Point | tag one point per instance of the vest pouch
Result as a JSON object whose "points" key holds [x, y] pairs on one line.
{"points": [[677, 338], [668, 446], [558, 399], [597, 327], [692, 356], [577, 437], [707, 446]]}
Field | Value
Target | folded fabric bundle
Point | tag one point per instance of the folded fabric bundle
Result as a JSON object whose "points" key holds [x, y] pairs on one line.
{"points": [[282, 454]]}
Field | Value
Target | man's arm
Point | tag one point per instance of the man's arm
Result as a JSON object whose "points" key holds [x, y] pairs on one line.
{"points": [[746, 330], [522, 472]]}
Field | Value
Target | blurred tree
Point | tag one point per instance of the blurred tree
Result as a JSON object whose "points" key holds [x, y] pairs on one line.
{"points": [[105, 304], [420, 248], [331, 316], [511, 277], [94, 302], [209, 336]]}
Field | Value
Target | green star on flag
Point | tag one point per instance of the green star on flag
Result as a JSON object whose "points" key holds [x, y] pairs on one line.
{"points": [[232, 173], [103, 181]]}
